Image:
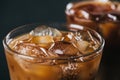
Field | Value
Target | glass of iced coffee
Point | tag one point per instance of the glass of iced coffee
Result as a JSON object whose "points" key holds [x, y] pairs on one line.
{"points": [[51, 52], [100, 15]]}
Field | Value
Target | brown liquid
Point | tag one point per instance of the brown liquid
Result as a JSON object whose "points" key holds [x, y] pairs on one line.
{"points": [[23, 67]]}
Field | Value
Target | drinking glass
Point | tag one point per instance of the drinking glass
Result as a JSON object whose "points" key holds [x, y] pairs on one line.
{"points": [[25, 65]]}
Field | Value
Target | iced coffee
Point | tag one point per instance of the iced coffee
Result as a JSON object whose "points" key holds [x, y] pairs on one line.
{"points": [[100, 15], [42, 52]]}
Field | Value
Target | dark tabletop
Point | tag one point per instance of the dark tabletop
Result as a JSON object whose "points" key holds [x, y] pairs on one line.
{"points": [[19, 12]]}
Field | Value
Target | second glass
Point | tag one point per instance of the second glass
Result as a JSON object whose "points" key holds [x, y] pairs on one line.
{"points": [[100, 15]]}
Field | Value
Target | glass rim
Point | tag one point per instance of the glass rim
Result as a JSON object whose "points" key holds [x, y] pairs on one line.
{"points": [[101, 46]]}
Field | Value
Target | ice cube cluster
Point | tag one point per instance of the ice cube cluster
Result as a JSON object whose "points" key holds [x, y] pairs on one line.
{"points": [[97, 11], [46, 41]]}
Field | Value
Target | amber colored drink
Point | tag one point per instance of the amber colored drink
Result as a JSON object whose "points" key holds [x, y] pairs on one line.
{"points": [[40, 52]]}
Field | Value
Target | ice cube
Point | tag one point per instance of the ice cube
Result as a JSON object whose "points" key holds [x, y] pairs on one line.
{"points": [[44, 30], [42, 39], [69, 37], [30, 49], [82, 35], [63, 48], [83, 14], [82, 45], [85, 42]]}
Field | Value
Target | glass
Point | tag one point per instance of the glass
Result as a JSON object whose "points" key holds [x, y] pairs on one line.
{"points": [[32, 66], [100, 15]]}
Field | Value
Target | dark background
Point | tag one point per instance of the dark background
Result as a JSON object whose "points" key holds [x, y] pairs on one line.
{"points": [[14, 13]]}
